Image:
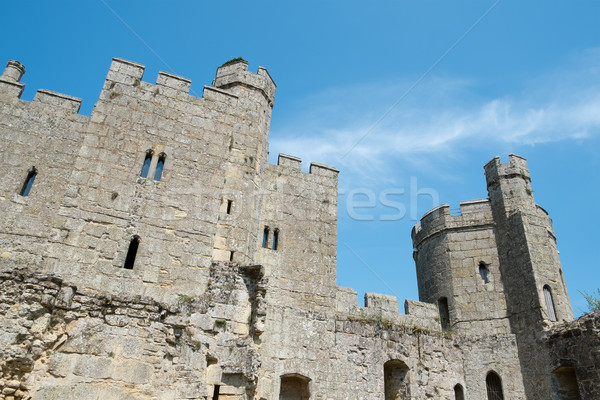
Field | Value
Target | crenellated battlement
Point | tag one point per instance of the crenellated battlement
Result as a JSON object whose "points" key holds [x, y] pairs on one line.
{"points": [[287, 163], [473, 214], [235, 72], [10, 83], [129, 73], [384, 309], [516, 166], [69, 103]]}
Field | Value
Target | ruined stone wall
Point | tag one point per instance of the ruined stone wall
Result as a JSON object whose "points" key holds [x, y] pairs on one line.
{"points": [[574, 345], [343, 355], [60, 343]]}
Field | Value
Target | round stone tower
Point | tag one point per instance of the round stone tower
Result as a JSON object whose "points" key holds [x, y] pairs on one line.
{"points": [[458, 267]]}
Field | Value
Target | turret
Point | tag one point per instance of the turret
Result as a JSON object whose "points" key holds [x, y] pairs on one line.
{"points": [[10, 81], [234, 76], [458, 268], [531, 270], [509, 185], [14, 71]]}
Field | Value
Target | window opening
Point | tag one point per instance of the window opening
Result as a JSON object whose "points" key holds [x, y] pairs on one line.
{"points": [[229, 204], [395, 378], [294, 387], [494, 386], [483, 272], [28, 182], [459, 393], [231, 255], [146, 166], [275, 239], [549, 303], [159, 166], [444, 313], [565, 383], [216, 391], [132, 252], [265, 237]]}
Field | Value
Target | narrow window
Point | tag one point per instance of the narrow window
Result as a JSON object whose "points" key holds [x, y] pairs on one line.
{"points": [[131, 252], [564, 382], [459, 393], [275, 239], [159, 166], [494, 386], [294, 387], [265, 237], [231, 255], [28, 182], [395, 380], [483, 272], [146, 165], [444, 313], [229, 204], [549, 303], [216, 392]]}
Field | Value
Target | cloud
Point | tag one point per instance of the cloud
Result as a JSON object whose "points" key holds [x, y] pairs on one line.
{"points": [[440, 117]]}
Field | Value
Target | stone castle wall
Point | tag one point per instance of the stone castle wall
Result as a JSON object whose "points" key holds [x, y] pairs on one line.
{"points": [[233, 291]]}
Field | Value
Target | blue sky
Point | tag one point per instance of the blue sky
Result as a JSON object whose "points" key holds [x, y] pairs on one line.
{"points": [[389, 92]]}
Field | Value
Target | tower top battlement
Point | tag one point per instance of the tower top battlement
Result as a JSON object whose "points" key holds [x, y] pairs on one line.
{"points": [[236, 72], [472, 213], [516, 166]]}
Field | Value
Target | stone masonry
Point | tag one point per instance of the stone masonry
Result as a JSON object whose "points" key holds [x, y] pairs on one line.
{"points": [[150, 251]]}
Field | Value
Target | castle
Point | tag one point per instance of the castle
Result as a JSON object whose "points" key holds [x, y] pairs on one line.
{"points": [[150, 251]]}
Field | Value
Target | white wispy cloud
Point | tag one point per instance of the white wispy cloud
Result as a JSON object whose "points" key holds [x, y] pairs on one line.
{"points": [[442, 116]]}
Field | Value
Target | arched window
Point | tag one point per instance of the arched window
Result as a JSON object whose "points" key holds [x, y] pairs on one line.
{"points": [[395, 377], [494, 386], [444, 313], [159, 166], [549, 303], [565, 384], [265, 242], [275, 239], [459, 393], [132, 252], [28, 182], [146, 166], [483, 272], [294, 387]]}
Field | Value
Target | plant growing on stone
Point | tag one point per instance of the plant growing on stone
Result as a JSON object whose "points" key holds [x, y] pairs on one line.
{"points": [[593, 300], [185, 299]]}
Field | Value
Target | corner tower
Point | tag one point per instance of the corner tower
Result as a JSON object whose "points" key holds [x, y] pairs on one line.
{"points": [[494, 265], [237, 231], [536, 293]]}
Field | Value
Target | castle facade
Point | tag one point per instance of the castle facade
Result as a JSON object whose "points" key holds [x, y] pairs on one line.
{"points": [[150, 251]]}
